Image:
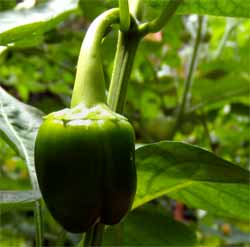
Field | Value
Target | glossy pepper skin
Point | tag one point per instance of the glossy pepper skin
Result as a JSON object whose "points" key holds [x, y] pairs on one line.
{"points": [[84, 159]]}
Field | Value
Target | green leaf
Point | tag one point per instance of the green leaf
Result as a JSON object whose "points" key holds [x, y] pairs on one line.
{"points": [[17, 25], [11, 199], [213, 92], [171, 167], [4, 5], [18, 126], [92, 9], [226, 200], [232, 8], [151, 226]]}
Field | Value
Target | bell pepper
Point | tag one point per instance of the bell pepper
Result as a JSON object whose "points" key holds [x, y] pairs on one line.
{"points": [[84, 155], [85, 166]]}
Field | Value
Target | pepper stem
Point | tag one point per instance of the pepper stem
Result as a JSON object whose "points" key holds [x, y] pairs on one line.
{"points": [[89, 86]]}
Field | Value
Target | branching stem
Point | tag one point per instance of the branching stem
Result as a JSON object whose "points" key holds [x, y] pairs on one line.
{"points": [[158, 23]]}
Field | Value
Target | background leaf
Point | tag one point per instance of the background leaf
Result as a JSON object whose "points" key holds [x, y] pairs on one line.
{"points": [[151, 226], [226, 200], [216, 83], [18, 126], [232, 8], [171, 167], [17, 25]]}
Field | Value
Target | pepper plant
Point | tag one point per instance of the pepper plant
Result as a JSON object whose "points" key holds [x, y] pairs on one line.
{"points": [[83, 161]]}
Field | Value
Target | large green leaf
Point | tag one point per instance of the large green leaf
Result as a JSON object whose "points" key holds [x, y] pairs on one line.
{"points": [[18, 126], [17, 25], [220, 199], [231, 8], [171, 167], [151, 226]]}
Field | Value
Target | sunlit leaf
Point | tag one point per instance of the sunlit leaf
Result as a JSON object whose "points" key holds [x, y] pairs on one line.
{"points": [[173, 168], [17, 25]]}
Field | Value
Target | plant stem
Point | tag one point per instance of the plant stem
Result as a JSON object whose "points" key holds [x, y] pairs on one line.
{"points": [[124, 57], [97, 234], [158, 23], [124, 15], [203, 120], [125, 53], [135, 7], [192, 66], [189, 79], [231, 25], [93, 236], [88, 237], [90, 83], [38, 223]]}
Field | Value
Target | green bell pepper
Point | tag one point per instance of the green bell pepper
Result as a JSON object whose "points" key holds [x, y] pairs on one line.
{"points": [[84, 155], [85, 166]]}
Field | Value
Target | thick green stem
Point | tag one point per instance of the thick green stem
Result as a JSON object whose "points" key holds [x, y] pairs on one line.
{"points": [[88, 237], [124, 58], [124, 15], [97, 234], [135, 8], [125, 54], [189, 79], [158, 23], [89, 85], [38, 223]]}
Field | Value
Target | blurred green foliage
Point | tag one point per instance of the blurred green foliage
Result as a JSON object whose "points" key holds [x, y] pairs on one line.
{"points": [[42, 74]]}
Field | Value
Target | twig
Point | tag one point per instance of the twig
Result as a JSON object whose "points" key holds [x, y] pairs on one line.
{"points": [[189, 79], [158, 23]]}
